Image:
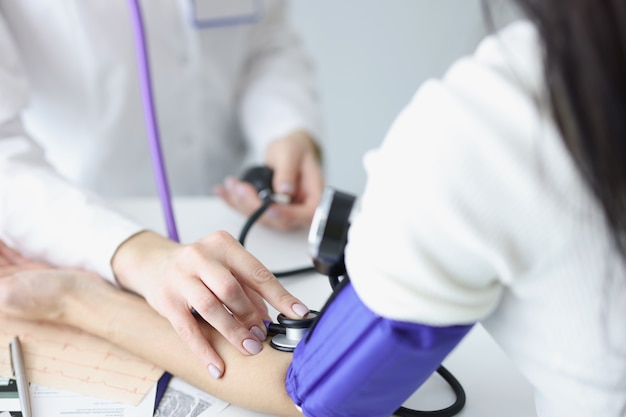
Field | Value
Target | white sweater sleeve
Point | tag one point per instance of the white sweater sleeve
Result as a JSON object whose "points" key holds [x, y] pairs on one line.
{"points": [[434, 241], [279, 93], [41, 214]]}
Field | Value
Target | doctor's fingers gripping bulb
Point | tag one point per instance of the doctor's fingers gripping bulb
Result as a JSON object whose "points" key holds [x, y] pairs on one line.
{"points": [[261, 178]]}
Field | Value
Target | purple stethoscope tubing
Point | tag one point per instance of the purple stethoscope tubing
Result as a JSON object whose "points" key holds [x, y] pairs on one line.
{"points": [[158, 165], [147, 99]]}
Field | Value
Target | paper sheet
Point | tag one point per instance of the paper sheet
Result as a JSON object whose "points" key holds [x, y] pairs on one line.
{"points": [[68, 359], [180, 400], [52, 402], [184, 400]]}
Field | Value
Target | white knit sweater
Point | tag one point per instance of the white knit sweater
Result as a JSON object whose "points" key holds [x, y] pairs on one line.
{"points": [[474, 211]]}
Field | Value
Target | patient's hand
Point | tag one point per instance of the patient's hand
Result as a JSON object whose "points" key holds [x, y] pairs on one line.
{"points": [[43, 294], [37, 291], [11, 262]]}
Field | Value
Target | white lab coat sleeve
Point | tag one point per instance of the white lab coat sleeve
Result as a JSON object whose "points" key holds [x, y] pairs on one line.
{"points": [[41, 214], [279, 93], [433, 242]]}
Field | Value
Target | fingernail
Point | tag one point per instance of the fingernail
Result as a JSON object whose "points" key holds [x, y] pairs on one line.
{"points": [[229, 183], [300, 310], [281, 198], [255, 330], [252, 346], [215, 371], [285, 188], [271, 212], [240, 190]]}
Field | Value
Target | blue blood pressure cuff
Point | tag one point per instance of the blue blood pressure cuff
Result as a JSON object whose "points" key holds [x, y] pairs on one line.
{"points": [[354, 363]]}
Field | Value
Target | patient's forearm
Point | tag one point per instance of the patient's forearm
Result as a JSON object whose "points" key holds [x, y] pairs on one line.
{"points": [[256, 382]]}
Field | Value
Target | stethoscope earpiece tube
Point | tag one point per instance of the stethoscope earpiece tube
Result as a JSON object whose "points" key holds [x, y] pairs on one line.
{"points": [[150, 118]]}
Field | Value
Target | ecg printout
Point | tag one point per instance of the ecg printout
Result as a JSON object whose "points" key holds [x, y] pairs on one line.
{"points": [[69, 359]]}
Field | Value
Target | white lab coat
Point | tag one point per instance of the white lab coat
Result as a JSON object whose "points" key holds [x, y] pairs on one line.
{"points": [[70, 109]]}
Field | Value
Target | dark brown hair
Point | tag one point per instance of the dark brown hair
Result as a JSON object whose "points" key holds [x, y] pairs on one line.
{"points": [[585, 67]]}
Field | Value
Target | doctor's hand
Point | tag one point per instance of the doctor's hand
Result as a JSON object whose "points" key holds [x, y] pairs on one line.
{"points": [[295, 160], [216, 277]]}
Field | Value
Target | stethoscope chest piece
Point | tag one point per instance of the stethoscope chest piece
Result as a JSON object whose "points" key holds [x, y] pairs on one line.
{"points": [[291, 331]]}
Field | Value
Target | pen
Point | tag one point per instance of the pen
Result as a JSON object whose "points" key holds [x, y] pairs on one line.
{"points": [[19, 370]]}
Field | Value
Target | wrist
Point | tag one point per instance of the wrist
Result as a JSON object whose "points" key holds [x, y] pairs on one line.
{"points": [[95, 306], [135, 255], [307, 140], [81, 298]]}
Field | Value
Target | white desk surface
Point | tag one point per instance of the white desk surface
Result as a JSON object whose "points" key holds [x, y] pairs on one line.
{"points": [[494, 388]]}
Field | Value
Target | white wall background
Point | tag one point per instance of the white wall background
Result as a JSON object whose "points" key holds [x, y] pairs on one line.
{"points": [[371, 55]]}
